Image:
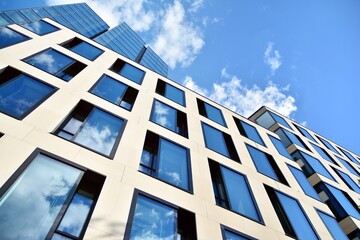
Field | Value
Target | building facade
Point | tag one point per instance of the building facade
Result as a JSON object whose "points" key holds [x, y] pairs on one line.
{"points": [[95, 145]]}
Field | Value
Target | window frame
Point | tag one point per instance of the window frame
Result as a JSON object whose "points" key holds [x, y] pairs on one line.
{"points": [[68, 45], [242, 130], [161, 87], [236, 232], [203, 112], [119, 63], [39, 20], [27, 38]]}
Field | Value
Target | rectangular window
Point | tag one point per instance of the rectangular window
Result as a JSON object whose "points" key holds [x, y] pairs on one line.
{"points": [[211, 112], [232, 191], [219, 142], [351, 157], [166, 161], [43, 205], [304, 182], [128, 71], [10, 37], [268, 119], [115, 92], [169, 91], [40, 27], [328, 145], [266, 164], [323, 154], [338, 201], [349, 167], [20, 94], [231, 234], [56, 63], [280, 147], [151, 218], [348, 180], [333, 226], [311, 165], [83, 48], [248, 131], [291, 215], [93, 129], [304, 132], [169, 117], [288, 138]]}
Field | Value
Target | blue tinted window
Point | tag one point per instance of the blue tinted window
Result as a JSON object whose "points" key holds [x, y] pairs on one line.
{"points": [[34, 200], [328, 145], [87, 50], [305, 133], [214, 114], [348, 166], [116, 92], [288, 138], [10, 37], [265, 120], [22, 94], [239, 194], [232, 236], [333, 226], [40, 27], [280, 120], [214, 140], [55, 63], [322, 153], [166, 160], [280, 147], [175, 94], [262, 162], [296, 217], [303, 182], [348, 181], [349, 156], [249, 131], [132, 73], [164, 115]]}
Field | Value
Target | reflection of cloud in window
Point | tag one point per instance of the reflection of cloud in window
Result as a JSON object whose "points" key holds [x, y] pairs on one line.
{"points": [[101, 140], [47, 61], [151, 236], [35, 26], [8, 33], [19, 106], [175, 177], [161, 112]]}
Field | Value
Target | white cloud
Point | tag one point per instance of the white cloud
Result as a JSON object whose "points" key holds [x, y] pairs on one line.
{"points": [[195, 6], [233, 94], [272, 58]]}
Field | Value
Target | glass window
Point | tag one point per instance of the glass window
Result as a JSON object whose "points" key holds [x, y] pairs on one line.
{"points": [[303, 182], [10, 37], [169, 91], [348, 166], [92, 128], [169, 118], [280, 147], [248, 131], [348, 181], [304, 132], [20, 94], [232, 191], [155, 220], [288, 138], [40, 27], [267, 119], [234, 235], [351, 157], [115, 91], [323, 153], [83, 48], [219, 142], [333, 226], [328, 145], [311, 165], [211, 112], [34, 203], [291, 215], [265, 164], [166, 161], [56, 63], [128, 71]]}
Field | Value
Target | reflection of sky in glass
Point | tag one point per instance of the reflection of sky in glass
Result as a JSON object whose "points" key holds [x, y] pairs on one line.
{"points": [[50, 61], [251, 132], [333, 226], [132, 73], [174, 94], [317, 166], [233, 236], [164, 115], [87, 50], [214, 140], [110, 89], [100, 131], [280, 147], [76, 214], [40, 27], [29, 208], [9, 37], [304, 182], [296, 216], [214, 114], [59, 237], [153, 220], [173, 166], [19, 95], [261, 162], [239, 194]]}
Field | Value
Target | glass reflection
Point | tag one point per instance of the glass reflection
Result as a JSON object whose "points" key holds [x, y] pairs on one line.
{"points": [[333, 226], [10, 37], [19, 95], [233, 236], [132, 73], [40, 27], [87, 50], [261, 162], [164, 115], [110, 89], [153, 220], [174, 94], [29, 207], [214, 114], [214, 140]]}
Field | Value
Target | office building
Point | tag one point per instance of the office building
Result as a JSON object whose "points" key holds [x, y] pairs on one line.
{"points": [[95, 145]]}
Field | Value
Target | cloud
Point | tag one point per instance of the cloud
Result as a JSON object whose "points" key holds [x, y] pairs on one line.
{"points": [[162, 115], [46, 61], [172, 34], [236, 96], [272, 58]]}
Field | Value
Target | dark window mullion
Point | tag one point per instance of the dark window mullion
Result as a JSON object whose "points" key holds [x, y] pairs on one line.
{"points": [[83, 124]]}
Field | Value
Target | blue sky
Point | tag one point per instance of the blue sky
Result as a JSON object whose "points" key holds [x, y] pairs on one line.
{"points": [[301, 58]]}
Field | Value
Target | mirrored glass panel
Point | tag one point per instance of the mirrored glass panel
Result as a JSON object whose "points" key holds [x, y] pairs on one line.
{"points": [[10, 37], [40, 27], [333, 226], [304, 182]]}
